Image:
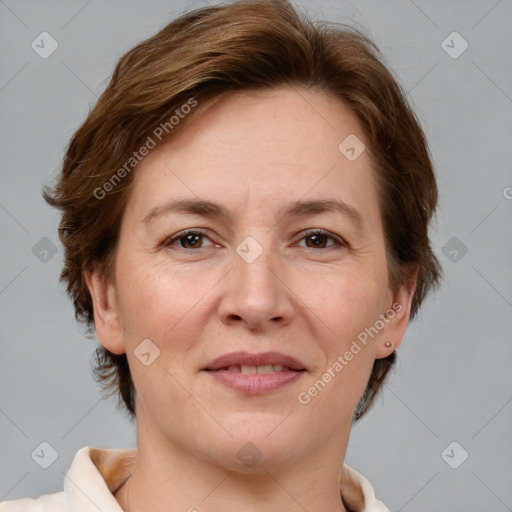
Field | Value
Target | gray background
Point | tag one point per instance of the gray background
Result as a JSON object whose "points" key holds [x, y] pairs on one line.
{"points": [[453, 381]]}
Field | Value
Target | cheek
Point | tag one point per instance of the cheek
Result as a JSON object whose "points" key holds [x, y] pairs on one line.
{"points": [[153, 298], [158, 305], [347, 307], [346, 303]]}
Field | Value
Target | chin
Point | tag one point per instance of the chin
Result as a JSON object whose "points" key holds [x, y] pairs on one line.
{"points": [[255, 446]]}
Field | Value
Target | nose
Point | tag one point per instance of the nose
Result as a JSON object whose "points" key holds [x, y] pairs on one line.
{"points": [[256, 293]]}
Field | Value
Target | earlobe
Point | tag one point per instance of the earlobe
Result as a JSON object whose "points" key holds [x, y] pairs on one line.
{"points": [[106, 317], [399, 314]]}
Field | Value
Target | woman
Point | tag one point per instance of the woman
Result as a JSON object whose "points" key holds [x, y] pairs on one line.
{"points": [[245, 219]]}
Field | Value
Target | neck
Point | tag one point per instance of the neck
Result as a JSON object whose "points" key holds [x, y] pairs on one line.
{"points": [[192, 483]]}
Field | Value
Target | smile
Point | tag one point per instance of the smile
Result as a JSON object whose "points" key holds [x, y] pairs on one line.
{"points": [[264, 369], [256, 380]]}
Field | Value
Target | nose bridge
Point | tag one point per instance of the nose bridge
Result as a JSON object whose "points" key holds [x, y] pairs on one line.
{"points": [[255, 260], [255, 291]]}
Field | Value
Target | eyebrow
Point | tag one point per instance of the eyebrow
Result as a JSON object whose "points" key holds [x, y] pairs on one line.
{"points": [[294, 209]]}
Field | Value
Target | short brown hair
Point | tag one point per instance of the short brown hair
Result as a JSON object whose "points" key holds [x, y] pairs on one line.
{"points": [[204, 55]]}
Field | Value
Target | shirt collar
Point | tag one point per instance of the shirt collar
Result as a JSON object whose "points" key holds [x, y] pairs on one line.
{"points": [[94, 475]]}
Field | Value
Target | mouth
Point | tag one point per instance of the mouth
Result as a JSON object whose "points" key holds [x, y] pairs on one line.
{"points": [[266, 362], [259, 370], [255, 374]]}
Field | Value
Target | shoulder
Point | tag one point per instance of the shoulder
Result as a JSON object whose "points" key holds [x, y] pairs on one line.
{"points": [[57, 502], [94, 473]]}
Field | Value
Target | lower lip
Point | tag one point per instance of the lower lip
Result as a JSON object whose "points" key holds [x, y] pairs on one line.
{"points": [[256, 383]]}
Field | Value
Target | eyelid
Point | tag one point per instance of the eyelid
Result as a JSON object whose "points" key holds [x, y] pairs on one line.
{"points": [[318, 231], [173, 238]]}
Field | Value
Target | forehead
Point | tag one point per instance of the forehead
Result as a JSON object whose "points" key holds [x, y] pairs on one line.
{"points": [[261, 150], [290, 120]]}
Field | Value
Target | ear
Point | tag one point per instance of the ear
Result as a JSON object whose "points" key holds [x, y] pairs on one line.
{"points": [[106, 318], [398, 313]]}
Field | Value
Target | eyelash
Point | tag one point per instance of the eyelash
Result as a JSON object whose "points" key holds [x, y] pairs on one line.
{"points": [[311, 232]]}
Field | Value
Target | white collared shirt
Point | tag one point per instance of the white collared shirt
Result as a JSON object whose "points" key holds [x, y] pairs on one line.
{"points": [[96, 474]]}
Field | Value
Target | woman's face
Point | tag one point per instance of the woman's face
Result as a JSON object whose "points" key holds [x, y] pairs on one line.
{"points": [[253, 280]]}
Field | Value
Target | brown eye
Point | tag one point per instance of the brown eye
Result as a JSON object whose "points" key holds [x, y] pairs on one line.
{"points": [[191, 239], [318, 239]]}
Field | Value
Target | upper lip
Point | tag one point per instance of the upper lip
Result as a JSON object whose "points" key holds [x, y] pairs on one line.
{"points": [[247, 359]]}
